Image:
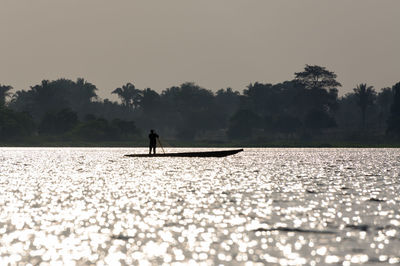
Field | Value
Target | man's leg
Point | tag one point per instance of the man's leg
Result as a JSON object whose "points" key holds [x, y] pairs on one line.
{"points": [[153, 148]]}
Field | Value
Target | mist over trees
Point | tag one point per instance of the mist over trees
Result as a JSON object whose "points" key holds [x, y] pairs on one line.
{"points": [[306, 108]]}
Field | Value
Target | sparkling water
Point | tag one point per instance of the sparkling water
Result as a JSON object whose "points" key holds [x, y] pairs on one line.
{"points": [[261, 206]]}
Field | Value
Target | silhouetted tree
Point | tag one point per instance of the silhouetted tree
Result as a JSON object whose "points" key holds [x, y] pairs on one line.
{"points": [[317, 77], [150, 101], [4, 93], [189, 106], [47, 98], [227, 101], [263, 99], [150, 111], [394, 118], [87, 91], [365, 96], [306, 100], [22, 101], [129, 95], [81, 94], [304, 106], [50, 96]]}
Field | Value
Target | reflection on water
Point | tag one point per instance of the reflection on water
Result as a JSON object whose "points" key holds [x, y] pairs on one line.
{"points": [[261, 206]]}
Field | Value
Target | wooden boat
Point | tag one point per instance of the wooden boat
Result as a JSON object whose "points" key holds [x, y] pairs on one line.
{"points": [[190, 154]]}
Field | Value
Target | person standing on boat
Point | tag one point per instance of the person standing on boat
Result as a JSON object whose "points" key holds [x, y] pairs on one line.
{"points": [[153, 141]]}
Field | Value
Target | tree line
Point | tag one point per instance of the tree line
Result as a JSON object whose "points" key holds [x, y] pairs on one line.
{"points": [[306, 108]]}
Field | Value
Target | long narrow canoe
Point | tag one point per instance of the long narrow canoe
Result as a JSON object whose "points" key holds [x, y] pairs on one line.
{"points": [[190, 154]]}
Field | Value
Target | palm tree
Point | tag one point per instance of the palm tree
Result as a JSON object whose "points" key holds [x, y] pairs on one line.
{"points": [[4, 92], [88, 90], [129, 95], [365, 96], [137, 96]]}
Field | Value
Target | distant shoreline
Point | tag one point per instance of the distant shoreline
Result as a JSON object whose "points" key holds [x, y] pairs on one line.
{"points": [[200, 144]]}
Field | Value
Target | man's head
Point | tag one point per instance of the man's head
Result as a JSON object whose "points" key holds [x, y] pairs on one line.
{"points": [[151, 130]]}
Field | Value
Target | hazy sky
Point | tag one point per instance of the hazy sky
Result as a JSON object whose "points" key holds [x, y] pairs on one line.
{"points": [[215, 43]]}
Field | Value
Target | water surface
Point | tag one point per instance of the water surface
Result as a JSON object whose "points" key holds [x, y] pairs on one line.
{"points": [[261, 206]]}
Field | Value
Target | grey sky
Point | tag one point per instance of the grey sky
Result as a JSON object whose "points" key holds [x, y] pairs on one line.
{"points": [[215, 43]]}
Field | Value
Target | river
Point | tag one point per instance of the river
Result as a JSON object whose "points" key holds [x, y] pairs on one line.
{"points": [[262, 206]]}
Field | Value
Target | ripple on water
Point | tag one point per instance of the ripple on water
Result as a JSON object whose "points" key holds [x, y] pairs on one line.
{"points": [[276, 206]]}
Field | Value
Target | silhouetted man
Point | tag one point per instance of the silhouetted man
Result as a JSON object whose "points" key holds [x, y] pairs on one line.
{"points": [[153, 141]]}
